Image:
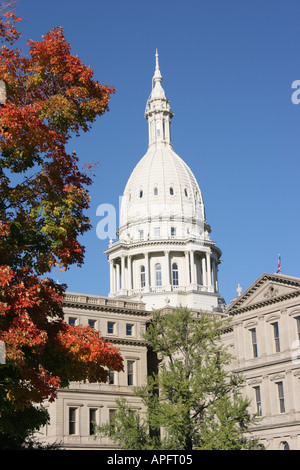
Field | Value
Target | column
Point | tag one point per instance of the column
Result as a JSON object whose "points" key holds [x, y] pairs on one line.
{"points": [[192, 267], [123, 272], [204, 276], [167, 269], [187, 268], [147, 277], [118, 277], [111, 276], [208, 269], [214, 270], [129, 269]]}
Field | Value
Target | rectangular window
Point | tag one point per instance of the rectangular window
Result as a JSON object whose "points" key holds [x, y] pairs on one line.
{"points": [[157, 232], [173, 231], [111, 377], [112, 414], [258, 401], [158, 128], [141, 234], [143, 277], [72, 321], [110, 327], [276, 336], [158, 278], [281, 397], [93, 420], [254, 342], [298, 327], [92, 323], [129, 329], [72, 420], [130, 372]]}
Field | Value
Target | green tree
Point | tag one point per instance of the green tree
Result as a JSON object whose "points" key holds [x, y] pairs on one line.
{"points": [[192, 401]]}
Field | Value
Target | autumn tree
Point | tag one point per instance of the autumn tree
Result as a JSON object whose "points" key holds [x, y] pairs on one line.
{"points": [[192, 401], [50, 97]]}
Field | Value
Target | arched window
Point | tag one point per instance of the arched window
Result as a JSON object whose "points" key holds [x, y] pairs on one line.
{"points": [[141, 193], [175, 274], [155, 191], [143, 276], [285, 445], [171, 191], [158, 280], [185, 192]]}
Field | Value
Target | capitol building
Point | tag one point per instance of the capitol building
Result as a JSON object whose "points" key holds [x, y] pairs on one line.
{"points": [[164, 257]]}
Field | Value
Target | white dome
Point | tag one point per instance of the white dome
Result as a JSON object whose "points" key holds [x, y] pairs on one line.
{"points": [[161, 188]]}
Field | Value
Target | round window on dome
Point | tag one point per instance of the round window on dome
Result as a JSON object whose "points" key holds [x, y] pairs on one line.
{"points": [[171, 191], [141, 193], [155, 191]]}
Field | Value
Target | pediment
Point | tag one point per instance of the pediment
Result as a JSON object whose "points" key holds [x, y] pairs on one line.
{"points": [[267, 289]]}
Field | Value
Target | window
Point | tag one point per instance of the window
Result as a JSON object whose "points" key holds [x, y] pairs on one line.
{"points": [[175, 274], [276, 336], [111, 414], [111, 377], [129, 329], [281, 397], [110, 327], [141, 193], [285, 445], [72, 321], [298, 327], [130, 372], [171, 191], [143, 276], [158, 280], [141, 234], [72, 420], [92, 323], [93, 420], [155, 191], [185, 193], [173, 231], [156, 232], [258, 401], [158, 129], [254, 342]]}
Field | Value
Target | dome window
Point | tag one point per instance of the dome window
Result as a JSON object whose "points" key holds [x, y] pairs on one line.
{"points": [[185, 193], [141, 193], [155, 191], [143, 277], [175, 274], [158, 279], [171, 191]]}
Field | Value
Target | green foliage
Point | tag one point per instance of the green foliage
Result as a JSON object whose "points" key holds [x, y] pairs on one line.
{"points": [[192, 401]]}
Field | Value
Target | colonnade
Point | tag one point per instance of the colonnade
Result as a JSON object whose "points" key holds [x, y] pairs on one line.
{"points": [[197, 270]]}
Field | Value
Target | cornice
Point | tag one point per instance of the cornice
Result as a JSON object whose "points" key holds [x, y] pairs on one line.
{"points": [[160, 242], [264, 303], [104, 304]]}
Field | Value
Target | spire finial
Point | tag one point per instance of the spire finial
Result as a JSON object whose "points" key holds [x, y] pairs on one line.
{"points": [[157, 75]]}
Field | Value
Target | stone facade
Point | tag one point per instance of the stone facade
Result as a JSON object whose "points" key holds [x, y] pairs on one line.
{"points": [[264, 340], [123, 324]]}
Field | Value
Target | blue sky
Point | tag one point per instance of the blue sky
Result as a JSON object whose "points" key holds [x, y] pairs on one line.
{"points": [[228, 67]]}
